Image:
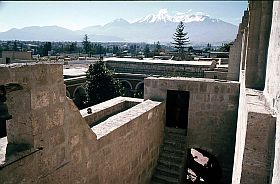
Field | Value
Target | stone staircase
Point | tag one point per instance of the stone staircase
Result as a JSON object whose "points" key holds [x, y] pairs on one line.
{"points": [[171, 164]]}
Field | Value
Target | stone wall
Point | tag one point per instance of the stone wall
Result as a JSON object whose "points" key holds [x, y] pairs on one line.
{"points": [[215, 75], [122, 149], [272, 84], [17, 55], [161, 67], [212, 115], [108, 108], [240, 131], [235, 50], [259, 141], [260, 13]]}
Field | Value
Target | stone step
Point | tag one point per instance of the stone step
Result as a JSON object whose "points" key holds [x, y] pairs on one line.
{"points": [[175, 137], [168, 172], [172, 149], [169, 165], [165, 179], [178, 159], [175, 144], [175, 130]]}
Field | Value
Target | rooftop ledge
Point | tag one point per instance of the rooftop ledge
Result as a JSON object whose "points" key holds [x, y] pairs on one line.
{"points": [[108, 108], [116, 121], [194, 79], [256, 102], [158, 61]]}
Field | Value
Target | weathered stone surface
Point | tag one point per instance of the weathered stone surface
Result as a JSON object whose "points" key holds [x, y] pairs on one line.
{"points": [[212, 115], [260, 134], [260, 14], [272, 84], [236, 51], [121, 149]]}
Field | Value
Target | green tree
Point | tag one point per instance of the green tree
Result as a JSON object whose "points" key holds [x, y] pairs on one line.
{"points": [[15, 46], [180, 40], [73, 47], [157, 48], [43, 50], [147, 51], [86, 44], [100, 84], [225, 47]]}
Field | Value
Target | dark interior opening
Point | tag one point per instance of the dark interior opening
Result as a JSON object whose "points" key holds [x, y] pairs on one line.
{"points": [[8, 60], [3, 129], [177, 107]]}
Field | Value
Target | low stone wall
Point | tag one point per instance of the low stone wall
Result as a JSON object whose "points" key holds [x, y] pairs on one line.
{"points": [[240, 131], [160, 67], [17, 55], [122, 149], [259, 142], [212, 115], [131, 151], [215, 75], [108, 108]]}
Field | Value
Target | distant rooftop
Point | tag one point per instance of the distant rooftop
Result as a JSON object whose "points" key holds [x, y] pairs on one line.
{"points": [[158, 61], [75, 71]]}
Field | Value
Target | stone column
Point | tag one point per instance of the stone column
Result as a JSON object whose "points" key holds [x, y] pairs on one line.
{"points": [[260, 14], [244, 48], [236, 50]]}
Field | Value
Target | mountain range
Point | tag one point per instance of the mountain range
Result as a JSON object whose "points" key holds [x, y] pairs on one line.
{"points": [[151, 28]]}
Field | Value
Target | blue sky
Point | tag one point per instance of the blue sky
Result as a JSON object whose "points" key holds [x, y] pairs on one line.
{"points": [[77, 15]]}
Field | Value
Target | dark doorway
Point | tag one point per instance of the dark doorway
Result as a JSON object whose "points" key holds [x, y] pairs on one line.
{"points": [[177, 107], [8, 60]]}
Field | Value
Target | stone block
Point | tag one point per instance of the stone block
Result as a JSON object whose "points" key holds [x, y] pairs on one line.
{"points": [[40, 98]]}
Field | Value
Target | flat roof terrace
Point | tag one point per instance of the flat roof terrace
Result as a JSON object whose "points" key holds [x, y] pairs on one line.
{"points": [[158, 61], [160, 67]]}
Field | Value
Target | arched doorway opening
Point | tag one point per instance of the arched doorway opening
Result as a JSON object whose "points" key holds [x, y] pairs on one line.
{"points": [[127, 88], [68, 94], [202, 167], [139, 90], [79, 97]]}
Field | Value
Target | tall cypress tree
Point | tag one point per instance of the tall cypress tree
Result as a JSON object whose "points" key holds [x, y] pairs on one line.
{"points": [[180, 40], [86, 44]]}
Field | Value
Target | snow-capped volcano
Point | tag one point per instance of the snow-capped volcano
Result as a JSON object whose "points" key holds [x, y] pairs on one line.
{"points": [[151, 28], [164, 16], [161, 16]]}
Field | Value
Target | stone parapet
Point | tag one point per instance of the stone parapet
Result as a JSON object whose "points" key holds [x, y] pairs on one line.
{"points": [[260, 135], [108, 108], [122, 149]]}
